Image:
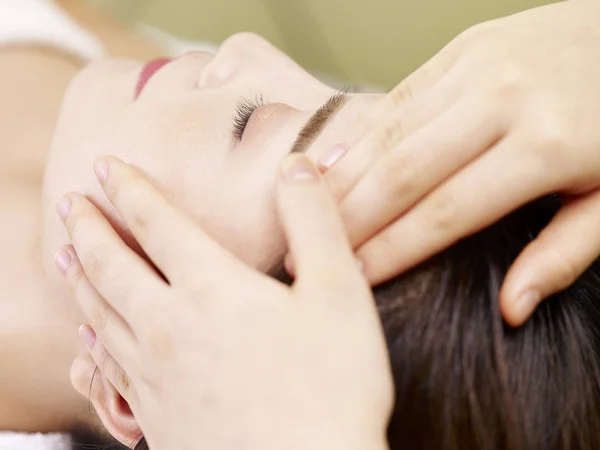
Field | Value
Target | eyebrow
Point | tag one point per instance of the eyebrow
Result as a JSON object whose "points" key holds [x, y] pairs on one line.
{"points": [[316, 124]]}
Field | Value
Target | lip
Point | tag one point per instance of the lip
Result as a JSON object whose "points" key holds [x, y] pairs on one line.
{"points": [[148, 71]]}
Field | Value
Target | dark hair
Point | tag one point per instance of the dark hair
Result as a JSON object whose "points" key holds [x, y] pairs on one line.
{"points": [[142, 445], [84, 438], [466, 381]]}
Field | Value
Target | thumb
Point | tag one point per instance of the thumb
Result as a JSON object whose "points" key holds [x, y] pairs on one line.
{"points": [[309, 214]]}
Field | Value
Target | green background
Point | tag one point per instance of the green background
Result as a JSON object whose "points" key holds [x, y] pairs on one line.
{"points": [[374, 42]]}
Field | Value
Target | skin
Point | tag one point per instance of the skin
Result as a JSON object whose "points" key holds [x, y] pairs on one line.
{"points": [[161, 337], [34, 391], [510, 106], [178, 132]]}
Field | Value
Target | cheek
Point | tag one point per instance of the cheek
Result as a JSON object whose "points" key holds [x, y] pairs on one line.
{"points": [[231, 200]]}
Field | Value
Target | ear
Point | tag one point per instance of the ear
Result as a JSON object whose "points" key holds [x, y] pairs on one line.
{"points": [[112, 409]]}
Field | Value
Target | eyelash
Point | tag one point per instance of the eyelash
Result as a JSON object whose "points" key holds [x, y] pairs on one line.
{"points": [[243, 111], [247, 105]]}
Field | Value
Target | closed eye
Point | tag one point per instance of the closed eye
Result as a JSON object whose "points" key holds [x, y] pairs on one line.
{"points": [[243, 112], [246, 106]]}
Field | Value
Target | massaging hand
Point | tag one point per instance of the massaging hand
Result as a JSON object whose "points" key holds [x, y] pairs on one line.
{"points": [[222, 354], [507, 112]]}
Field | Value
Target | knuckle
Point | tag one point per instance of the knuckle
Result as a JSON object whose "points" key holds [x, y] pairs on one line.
{"points": [[389, 135], [442, 213], [511, 80], [396, 174], [101, 264], [104, 359], [118, 376], [99, 318], [547, 134], [132, 199], [91, 262], [401, 94], [122, 379], [141, 220], [474, 32], [76, 278]]}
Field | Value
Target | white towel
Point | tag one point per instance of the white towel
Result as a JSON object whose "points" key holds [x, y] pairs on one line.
{"points": [[26, 441], [42, 21]]}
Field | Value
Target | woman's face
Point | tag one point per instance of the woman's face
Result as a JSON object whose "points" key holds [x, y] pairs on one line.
{"points": [[181, 131]]}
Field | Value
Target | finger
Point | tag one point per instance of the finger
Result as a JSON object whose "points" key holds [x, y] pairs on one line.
{"points": [[109, 323], [554, 260], [416, 100], [107, 365], [417, 83], [152, 218], [120, 275], [82, 373], [495, 184], [416, 166], [433, 70], [313, 227], [386, 134]]}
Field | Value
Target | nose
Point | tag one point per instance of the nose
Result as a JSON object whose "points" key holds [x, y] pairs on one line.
{"points": [[240, 52], [192, 66]]}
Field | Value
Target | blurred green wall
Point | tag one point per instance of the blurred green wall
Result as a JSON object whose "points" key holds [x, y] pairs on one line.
{"points": [[359, 41]]}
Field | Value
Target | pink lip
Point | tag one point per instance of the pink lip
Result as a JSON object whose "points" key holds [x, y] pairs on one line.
{"points": [[148, 72]]}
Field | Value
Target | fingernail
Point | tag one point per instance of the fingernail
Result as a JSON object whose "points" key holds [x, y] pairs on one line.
{"points": [[101, 170], [88, 335], [526, 303], [332, 156], [63, 207], [63, 260], [298, 167]]}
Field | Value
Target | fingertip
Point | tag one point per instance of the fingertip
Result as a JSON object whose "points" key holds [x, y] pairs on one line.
{"points": [[104, 165], [517, 309], [298, 168], [82, 373], [87, 333], [63, 260]]}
